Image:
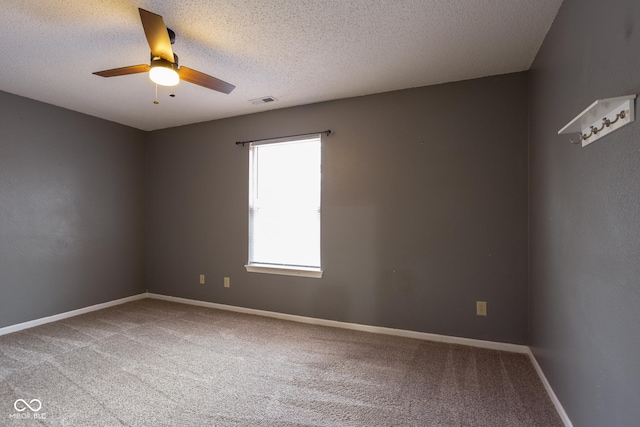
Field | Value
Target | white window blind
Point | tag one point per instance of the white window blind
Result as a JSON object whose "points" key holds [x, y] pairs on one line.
{"points": [[284, 203]]}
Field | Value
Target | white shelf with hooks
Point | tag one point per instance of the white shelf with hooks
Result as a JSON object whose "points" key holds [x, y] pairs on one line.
{"points": [[601, 118]]}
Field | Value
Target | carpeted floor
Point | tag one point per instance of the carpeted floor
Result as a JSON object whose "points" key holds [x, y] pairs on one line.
{"points": [[157, 363]]}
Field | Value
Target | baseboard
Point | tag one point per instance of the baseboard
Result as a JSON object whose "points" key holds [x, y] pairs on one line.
{"points": [[552, 395], [514, 348], [66, 315]]}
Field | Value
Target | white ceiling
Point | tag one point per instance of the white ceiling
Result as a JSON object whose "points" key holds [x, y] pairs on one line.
{"points": [[299, 51]]}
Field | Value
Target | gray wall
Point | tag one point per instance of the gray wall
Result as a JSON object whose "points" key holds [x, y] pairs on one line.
{"points": [[585, 216], [72, 193], [424, 210]]}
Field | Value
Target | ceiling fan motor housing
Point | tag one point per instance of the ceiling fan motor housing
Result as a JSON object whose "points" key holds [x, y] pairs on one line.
{"points": [[156, 61]]}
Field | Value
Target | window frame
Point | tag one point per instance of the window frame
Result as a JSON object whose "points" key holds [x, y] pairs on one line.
{"points": [[282, 269]]}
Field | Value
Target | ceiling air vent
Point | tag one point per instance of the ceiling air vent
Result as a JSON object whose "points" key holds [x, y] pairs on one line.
{"points": [[262, 100]]}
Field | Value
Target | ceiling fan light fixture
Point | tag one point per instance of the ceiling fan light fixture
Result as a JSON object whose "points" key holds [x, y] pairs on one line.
{"points": [[164, 69], [164, 73]]}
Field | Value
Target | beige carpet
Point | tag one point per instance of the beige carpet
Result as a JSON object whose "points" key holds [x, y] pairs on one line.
{"points": [[156, 363]]}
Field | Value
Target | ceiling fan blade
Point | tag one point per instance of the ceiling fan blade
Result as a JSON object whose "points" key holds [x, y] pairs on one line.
{"points": [[205, 80], [157, 35], [123, 71]]}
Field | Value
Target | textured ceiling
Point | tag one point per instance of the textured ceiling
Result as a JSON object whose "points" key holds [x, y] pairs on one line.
{"points": [[299, 51]]}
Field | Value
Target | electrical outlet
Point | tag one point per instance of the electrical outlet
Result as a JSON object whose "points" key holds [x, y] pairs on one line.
{"points": [[202, 279], [227, 282], [481, 308]]}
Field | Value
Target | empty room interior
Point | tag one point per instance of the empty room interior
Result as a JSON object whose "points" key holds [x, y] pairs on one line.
{"points": [[474, 227]]}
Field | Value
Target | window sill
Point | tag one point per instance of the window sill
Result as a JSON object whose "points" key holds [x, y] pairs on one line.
{"points": [[315, 273]]}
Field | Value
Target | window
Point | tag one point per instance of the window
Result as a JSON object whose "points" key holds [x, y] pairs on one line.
{"points": [[284, 207]]}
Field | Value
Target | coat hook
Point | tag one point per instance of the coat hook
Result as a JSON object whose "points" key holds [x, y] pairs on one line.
{"points": [[610, 114]]}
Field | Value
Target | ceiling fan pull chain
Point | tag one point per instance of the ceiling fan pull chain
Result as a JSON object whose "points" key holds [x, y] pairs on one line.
{"points": [[156, 101]]}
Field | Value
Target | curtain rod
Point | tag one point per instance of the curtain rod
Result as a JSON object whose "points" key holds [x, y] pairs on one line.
{"points": [[326, 132]]}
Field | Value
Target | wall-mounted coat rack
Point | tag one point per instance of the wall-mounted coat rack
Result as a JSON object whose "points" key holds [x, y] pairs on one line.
{"points": [[601, 118]]}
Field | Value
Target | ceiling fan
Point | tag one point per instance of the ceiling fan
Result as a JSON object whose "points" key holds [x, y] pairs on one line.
{"points": [[164, 69]]}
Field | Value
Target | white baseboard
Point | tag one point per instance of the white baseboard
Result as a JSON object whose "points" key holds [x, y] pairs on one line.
{"points": [[552, 395], [514, 348], [66, 315]]}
